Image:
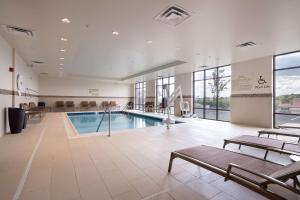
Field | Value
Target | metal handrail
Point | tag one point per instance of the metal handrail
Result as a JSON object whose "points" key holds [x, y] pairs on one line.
{"points": [[109, 122], [101, 121]]}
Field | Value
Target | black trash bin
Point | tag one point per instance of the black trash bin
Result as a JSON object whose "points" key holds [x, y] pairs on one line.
{"points": [[16, 117]]}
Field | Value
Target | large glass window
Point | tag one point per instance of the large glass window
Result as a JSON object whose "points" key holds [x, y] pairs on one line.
{"points": [[164, 88], [287, 88], [140, 95], [212, 89]]}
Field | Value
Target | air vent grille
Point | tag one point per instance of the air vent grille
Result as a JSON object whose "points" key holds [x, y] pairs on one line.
{"points": [[18, 31], [37, 62], [246, 44], [44, 73], [173, 15]]}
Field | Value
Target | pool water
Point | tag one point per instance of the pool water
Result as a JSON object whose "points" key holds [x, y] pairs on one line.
{"points": [[89, 122]]}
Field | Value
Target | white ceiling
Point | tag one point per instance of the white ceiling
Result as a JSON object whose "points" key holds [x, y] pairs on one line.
{"points": [[213, 31]]}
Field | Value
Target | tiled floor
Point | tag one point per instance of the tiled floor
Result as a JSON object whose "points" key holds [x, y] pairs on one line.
{"points": [[128, 165]]}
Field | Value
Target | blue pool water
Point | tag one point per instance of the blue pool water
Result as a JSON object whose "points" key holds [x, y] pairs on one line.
{"points": [[89, 122]]}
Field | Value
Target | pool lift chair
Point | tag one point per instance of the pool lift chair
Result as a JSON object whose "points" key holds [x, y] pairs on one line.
{"points": [[184, 106]]}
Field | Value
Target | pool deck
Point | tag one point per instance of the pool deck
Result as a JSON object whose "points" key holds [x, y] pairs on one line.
{"points": [[44, 163]]}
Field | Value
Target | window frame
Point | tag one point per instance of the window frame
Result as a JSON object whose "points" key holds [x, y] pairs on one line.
{"points": [[141, 90], [274, 85], [156, 92], [204, 80]]}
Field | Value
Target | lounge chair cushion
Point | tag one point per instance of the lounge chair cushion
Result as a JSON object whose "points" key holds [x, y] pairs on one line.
{"points": [[221, 158]]}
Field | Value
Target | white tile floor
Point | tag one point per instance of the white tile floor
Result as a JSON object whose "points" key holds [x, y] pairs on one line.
{"points": [[126, 166]]}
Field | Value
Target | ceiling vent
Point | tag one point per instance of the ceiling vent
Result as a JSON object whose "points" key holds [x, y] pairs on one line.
{"points": [[173, 15], [44, 73], [246, 44], [18, 31], [37, 62]]}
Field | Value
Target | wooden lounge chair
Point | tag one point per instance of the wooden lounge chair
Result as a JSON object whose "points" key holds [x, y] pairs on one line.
{"points": [[267, 144], [149, 107], [70, 105], [31, 110], [84, 105], [33, 107], [112, 104], [130, 105], [282, 132], [60, 106], [105, 105], [290, 125], [256, 174], [93, 105]]}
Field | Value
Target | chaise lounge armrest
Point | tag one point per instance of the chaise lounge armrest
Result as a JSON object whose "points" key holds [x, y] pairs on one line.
{"points": [[270, 180], [284, 151], [292, 143]]}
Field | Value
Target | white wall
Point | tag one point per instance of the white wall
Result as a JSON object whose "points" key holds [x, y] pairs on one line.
{"points": [[5, 63], [69, 89], [80, 87], [251, 102], [30, 80]]}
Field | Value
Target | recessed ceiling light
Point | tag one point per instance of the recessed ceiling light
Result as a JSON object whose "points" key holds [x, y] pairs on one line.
{"points": [[62, 58], [66, 20], [115, 33], [63, 39], [62, 50], [61, 64], [149, 42], [61, 68]]}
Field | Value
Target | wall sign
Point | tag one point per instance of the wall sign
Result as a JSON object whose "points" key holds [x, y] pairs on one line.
{"points": [[256, 84], [242, 83], [262, 84], [94, 92]]}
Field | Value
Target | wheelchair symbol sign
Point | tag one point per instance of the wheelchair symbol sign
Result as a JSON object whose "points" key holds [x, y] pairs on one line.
{"points": [[261, 81]]}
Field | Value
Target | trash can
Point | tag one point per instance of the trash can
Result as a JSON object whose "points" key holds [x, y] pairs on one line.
{"points": [[16, 117]]}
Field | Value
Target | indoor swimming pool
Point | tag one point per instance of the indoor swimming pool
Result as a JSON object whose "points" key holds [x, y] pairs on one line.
{"points": [[91, 122]]}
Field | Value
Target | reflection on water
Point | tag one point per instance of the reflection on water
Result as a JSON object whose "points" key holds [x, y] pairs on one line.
{"points": [[88, 123]]}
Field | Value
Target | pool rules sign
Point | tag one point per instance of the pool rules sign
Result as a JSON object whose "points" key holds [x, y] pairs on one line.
{"points": [[251, 85]]}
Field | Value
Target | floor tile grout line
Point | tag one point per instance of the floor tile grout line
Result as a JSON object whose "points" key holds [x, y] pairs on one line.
{"points": [[142, 170], [28, 166], [155, 194], [99, 174], [73, 164]]}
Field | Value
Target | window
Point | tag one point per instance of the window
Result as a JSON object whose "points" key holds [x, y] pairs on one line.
{"points": [[164, 88], [140, 95], [286, 88], [212, 89]]}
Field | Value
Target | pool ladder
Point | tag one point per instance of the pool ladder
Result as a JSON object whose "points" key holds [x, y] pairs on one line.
{"points": [[109, 121]]}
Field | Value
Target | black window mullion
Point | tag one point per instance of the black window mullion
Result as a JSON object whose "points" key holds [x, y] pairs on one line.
{"points": [[217, 96], [204, 96]]}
